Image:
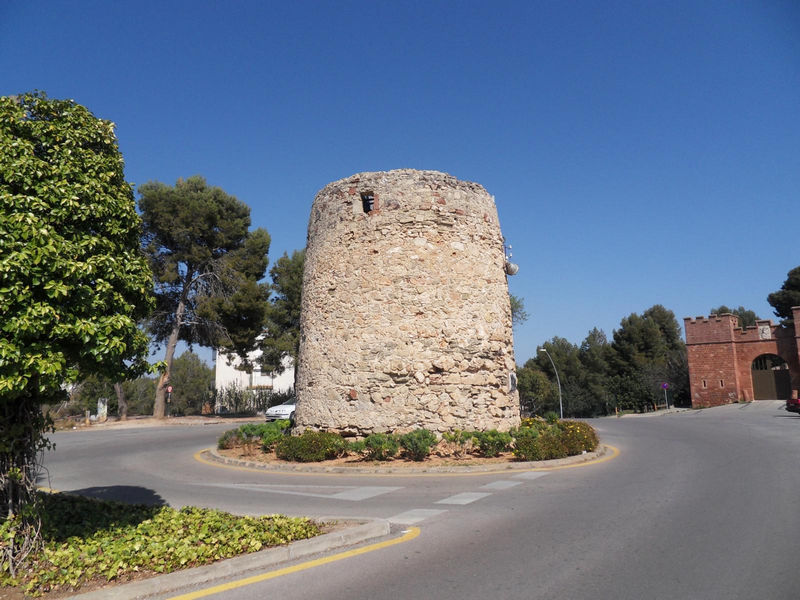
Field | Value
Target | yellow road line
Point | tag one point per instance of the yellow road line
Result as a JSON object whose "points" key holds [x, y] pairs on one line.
{"points": [[500, 471], [410, 534]]}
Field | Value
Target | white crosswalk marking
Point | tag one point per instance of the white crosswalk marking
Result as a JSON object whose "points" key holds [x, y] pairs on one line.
{"points": [[502, 484], [530, 475], [364, 492], [415, 516], [464, 498], [330, 492]]}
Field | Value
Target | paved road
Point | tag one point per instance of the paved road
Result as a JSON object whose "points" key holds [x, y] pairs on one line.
{"points": [[698, 505]]}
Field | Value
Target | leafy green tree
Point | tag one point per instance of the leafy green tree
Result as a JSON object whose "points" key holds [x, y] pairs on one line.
{"points": [[73, 283], [593, 355], [192, 380], [282, 336], [788, 296], [668, 326], [134, 396], [747, 318], [583, 373], [537, 394], [206, 264], [647, 351], [518, 313], [564, 355], [139, 394], [90, 390]]}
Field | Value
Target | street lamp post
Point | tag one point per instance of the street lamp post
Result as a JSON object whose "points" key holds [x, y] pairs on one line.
{"points": [[560, 404]]}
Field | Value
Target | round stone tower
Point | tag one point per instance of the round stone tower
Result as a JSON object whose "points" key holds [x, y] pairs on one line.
{"points": [[406, 320]]}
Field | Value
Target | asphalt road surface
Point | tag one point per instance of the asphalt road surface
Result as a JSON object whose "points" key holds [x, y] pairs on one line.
{"points": [[698, 505]]}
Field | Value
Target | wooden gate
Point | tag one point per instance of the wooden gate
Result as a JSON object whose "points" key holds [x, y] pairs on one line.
{"points": [[772, 384]]}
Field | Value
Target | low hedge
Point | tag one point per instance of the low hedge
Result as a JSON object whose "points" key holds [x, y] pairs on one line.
{"points": [[541, 440], [381, 446], [417, 444], [535, 439], [312, 446], [264, 433]]}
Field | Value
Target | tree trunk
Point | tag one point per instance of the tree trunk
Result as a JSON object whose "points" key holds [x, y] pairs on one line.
{"points": [[160, 403], [122, 404], [22, 430]]}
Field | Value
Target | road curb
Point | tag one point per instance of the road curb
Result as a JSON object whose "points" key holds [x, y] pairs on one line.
{"points": [[240, 565], [211, 455]]}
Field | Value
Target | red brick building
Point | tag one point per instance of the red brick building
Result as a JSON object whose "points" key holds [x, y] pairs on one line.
{"points": [[728, 363]]}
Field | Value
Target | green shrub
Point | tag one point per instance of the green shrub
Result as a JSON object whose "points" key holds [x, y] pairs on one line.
{"points": [[265, 433], [92, 540], [538, 444], [537, 423], [458, 436], [456, 443], [567, 438], [527, 447], [229, 439], [551, 444], [252, 430], [492, 442], [381, 446], [551, 417], [356, 447], [524, 432], [312, 446], [417, 444], [578, 437]]}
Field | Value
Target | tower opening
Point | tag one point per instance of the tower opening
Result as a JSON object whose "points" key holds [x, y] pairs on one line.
{"points": [[368, 201]]}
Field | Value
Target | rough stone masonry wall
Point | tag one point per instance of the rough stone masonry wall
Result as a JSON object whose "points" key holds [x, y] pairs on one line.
{"points": [[405, 320]]}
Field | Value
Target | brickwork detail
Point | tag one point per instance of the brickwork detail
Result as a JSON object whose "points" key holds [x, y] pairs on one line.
{"points": [[721, 356], [406, 320]]}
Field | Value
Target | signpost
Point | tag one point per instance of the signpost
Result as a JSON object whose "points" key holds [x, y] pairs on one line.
{"points": [[665, 387]]}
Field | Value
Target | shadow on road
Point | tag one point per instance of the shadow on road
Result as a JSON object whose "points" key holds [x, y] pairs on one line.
{"points": [[84, 512], [130, 494]]}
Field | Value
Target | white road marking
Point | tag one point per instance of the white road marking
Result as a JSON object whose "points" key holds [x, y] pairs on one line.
{"points": [[415, 516], [502, 484], [530, 475], [364, 492], [331, 492], [464, 498]]}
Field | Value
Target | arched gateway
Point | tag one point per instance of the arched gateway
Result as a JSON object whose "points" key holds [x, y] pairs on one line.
{"points": [[771, 378], [728, 363]]}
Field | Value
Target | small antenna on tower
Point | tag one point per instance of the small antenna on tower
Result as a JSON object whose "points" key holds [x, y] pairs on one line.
{"points": [[511, 268]]}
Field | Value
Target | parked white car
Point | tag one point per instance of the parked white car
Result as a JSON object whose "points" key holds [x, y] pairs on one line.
{"points": [[282, 411]]}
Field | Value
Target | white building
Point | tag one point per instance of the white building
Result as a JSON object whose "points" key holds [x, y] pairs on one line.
{"points": [[226, 374]]}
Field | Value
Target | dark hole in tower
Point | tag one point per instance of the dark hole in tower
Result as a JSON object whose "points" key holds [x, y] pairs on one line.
{"points": [[367, 201]]}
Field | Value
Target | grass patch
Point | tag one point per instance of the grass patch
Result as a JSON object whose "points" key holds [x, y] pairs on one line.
{"points": [[89, 540]]}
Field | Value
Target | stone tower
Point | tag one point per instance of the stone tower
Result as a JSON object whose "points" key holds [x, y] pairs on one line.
{"points": [[406, 321]]}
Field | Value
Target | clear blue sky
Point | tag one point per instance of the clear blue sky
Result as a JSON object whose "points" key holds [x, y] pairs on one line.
{"points": [[639, 152]]}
